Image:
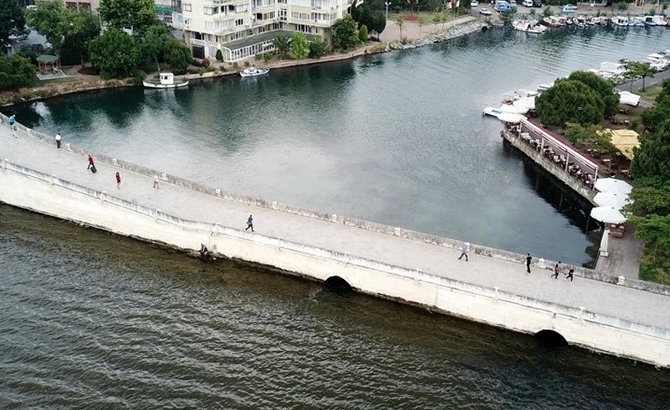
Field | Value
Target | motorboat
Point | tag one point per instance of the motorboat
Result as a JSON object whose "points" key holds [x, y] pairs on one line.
{"points": [[254, 72], [536, 29], [555, 21], [620, 21], [164, 81], [636, 22], [655, 20], [492, 111]]}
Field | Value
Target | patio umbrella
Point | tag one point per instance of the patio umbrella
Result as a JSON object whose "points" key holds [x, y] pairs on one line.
{"points": [[608, 215], [613, 185], [613, 199], [510, 117]]}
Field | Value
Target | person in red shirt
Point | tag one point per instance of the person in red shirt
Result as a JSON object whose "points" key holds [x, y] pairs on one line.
{"points": [[90, 162], [118, 180]]}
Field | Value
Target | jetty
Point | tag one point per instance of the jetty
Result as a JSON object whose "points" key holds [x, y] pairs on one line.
{"points": [[604, 313]]}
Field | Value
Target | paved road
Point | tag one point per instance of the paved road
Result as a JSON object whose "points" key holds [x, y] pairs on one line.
{"points": [[599, 297]]}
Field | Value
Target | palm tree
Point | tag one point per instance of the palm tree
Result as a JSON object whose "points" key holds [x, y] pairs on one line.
{"points": [[282, 44]]}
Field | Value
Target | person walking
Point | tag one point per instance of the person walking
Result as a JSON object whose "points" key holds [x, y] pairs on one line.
{"points": [[570, 272], [557, 269], [11, 120], [529, 259], [90, 162], [250, 223], [464, 251], [118, 180], [156, 182], [58, 138]]}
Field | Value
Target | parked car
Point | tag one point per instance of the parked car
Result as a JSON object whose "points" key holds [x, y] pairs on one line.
{"points": [[474, 3], [527, 3], [569, 8], [484, 11], [502, 6], [537, 3]]}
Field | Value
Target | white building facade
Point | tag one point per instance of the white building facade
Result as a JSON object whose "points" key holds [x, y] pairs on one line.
{"points": [[244, 28]]}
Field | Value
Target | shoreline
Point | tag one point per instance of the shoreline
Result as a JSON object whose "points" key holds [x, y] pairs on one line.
{"points": [[74, 85]]}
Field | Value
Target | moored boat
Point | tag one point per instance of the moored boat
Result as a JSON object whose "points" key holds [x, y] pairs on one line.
{"points": [[254, 72], [164, 81]]}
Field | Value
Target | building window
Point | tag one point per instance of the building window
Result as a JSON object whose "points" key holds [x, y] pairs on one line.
{"points": [[209, 11], [187, 22], [304, 3], [239, 22], [209, 25], [186, 6]]}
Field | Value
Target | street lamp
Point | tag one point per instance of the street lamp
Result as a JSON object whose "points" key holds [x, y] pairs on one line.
{"points": [[387, 4]]}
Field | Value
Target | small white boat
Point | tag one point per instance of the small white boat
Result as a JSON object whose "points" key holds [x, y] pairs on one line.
{"points": [[655, 20], [620, 21], [254, 72], [165, 80], [493, 112]]}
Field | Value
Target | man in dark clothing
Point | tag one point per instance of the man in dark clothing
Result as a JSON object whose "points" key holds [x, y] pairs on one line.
{"points": [[528, 260], [557, 269], [250, 223], [572, 270]]}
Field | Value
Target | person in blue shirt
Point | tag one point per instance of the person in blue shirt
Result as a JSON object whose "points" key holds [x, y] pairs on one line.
{"points": [[12, 119], [250, 223]]}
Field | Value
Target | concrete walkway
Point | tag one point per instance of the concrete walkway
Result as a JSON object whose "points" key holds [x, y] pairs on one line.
{"points": [[599, 297]]}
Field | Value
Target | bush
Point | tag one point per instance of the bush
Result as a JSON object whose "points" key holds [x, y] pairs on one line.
{"points": [[258, 57], [623, 5], [267, 57], [246, 64], [219, 55], [206, 63], [363, 33], [196, 63]]}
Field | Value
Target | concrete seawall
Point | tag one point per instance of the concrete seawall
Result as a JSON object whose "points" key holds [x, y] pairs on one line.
{"points": [[626, 319]]}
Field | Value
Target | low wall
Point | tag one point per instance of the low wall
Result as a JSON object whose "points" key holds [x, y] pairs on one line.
{"points": [[29, 189]]}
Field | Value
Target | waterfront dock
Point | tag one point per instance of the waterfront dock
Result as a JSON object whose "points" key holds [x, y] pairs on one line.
{"points": [[596, 311]]}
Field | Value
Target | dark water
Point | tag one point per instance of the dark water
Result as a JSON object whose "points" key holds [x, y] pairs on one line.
{"points": [[95, 321]]}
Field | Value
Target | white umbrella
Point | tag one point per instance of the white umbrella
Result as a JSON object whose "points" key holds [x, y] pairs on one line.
{"points": [[608, 215], [613, 199], [613, 185], [510, 117]]}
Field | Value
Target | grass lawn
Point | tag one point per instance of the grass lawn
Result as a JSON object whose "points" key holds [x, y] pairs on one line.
{"points": [[651, 92]]}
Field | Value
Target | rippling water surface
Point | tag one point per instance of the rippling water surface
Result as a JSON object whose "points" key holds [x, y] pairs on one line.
{"points": [[91, 320]]}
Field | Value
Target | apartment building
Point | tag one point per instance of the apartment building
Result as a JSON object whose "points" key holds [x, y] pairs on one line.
{"points": [[244, 28]]}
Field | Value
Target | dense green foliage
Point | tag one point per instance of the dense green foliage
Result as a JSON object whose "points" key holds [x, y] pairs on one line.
{"points": [[137, 15], [115, 53], [651, 194], [68, 31], [602, 86], [282, 45], [299, 46], [345, 33], [373, 20], [570, 101], [219, 55], [317, 48], [153, 43], [635, 69], [177, 55], [11, 17], [363, 34], [16, 71]]}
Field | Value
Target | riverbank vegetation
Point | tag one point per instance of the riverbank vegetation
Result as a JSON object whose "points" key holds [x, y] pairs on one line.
{"points": [[651, 192]]}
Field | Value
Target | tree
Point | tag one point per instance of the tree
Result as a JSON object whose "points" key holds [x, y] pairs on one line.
{"points": [[68, 31], [177, 55], [422, 21], [115, 53], [11, 17], [547, 12], [363, 34], [137, 15], [219, 55], [570, 101], [317, 48], [400, 22], [640, 69], [345, 33], [49, 20], [282, 44], [603, 87], [153, 42], [378, 23], [651, 158], [15, 72], [299, 46]]}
